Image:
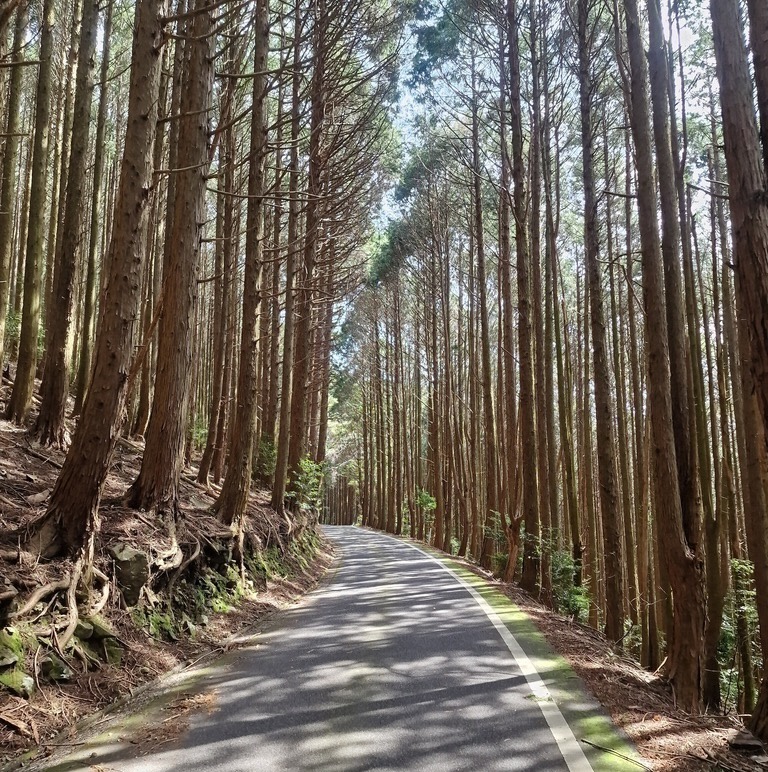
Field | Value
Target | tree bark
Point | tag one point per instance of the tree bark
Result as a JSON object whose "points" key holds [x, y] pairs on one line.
{"points": [[51, 427], [685, 639], [758, 27], [89, 309], [156, 487], [531, 548], [233, 499], [72, 513], [21, 396], [749, 220], [9, 184], [606, 456]]}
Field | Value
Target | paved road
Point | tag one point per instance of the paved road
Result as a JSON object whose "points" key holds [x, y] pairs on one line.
{"points": [[392, 665]]}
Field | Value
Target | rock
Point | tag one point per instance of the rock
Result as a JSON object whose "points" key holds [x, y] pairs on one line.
{"points": [[8, 658], [19, 682], [11, 647], [39, 498], [742, 740], [54, 668], [91, 653], [132, 571], [10, 639], [84, 629], [100, 628], [113, 653]]}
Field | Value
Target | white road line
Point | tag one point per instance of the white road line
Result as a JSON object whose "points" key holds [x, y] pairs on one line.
{"points": [[569, 746]]}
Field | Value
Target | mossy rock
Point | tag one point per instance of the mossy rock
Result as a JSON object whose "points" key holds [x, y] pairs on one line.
{"points": [[54, 668], [84, 629], [18, 681], [10, 640], [132, 569], [100, 628], [7, 658], [113, 652]]}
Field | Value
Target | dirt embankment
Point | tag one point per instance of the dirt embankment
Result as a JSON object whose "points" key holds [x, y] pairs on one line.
{"points": [[159, 597]]}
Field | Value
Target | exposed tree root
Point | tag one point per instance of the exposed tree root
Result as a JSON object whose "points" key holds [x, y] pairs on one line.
{"points": [[39, 594], [74, 616]]}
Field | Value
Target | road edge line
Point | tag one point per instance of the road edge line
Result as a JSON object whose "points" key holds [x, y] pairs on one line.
{"points": [[570, 748]]}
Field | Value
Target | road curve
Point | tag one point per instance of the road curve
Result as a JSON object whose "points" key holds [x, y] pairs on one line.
{"points": [[392, 665]]}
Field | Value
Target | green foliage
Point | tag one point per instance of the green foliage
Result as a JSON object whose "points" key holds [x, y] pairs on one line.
{"points": [[437, 40], [266, 564], [743, 598], [307, 485], [569, 599], [12, 330], [426, 501], [266, 459], [199, 431], [740, 604], [210, 591], [388, 253]]}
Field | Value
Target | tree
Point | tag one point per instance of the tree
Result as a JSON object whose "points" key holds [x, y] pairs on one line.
{"points": [[588, 21], [749, 215], [237, 483], [23, 385], [156, 487], [51, 428], [683, 566], [72, 512], [9, 168]]}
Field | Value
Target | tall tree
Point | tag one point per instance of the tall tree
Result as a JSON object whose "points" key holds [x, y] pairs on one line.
{"points": [[51, 426], [588, 20], [683, 567], [72, 512], [8, 185], [156, 486], [749, 216], [23, 385], [234, 492]]}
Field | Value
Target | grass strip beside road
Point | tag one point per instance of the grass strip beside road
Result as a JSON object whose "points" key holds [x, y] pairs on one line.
{"points": [[605, 746]]}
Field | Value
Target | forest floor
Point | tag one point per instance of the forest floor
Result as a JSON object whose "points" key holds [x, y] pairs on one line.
{"points": [[48, 718]]}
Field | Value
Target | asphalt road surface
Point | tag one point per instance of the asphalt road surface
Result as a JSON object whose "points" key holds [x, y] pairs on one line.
{"points": [[393, 664]]}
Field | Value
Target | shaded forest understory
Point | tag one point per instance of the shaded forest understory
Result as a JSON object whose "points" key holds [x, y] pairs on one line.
{"points": [[493, 275], [158, 603]]}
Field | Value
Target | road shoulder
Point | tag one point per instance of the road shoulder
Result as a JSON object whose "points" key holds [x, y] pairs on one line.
{"points": [[605, 745]]}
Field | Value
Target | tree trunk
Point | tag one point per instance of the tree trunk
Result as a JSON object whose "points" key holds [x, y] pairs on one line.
{"points": [[316, 162], [758, 27], [21, 396], [9, 184], [606, 457], [531, 549], [51, 427], [685, 639], [286, 380], [72, 510], [89, 309], [233, 499], [749, 217], [157, 484]]}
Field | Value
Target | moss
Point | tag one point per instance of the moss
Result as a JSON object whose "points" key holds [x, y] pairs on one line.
{"points": [[11, 641], [18, 681], [12, 673], [220, 587]]}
